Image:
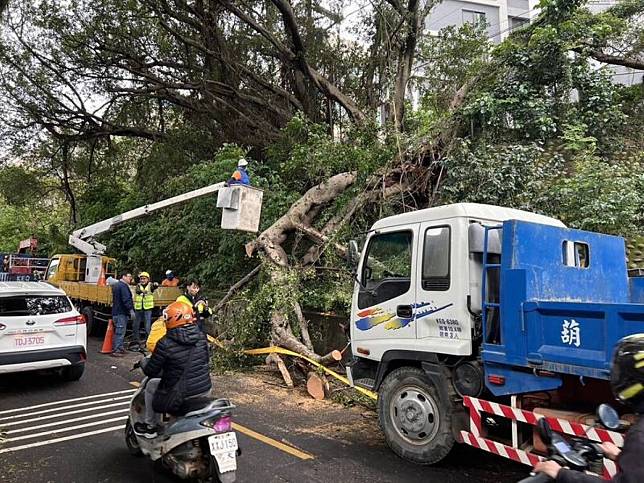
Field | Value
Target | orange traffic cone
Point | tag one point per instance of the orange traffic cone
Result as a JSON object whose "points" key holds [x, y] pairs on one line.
{"points": [[101, 279], [107, 342]]}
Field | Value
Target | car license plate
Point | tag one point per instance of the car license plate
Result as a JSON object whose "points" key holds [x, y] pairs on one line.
{"points": [[24, 341], [224, 448]]}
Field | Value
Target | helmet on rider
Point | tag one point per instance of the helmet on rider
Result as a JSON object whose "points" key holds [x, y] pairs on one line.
{"points": [[177, 314], [627, 373]]}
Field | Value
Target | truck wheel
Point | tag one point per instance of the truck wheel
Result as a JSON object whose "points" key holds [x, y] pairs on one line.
{"points": [[88, 313], [414, 420]]}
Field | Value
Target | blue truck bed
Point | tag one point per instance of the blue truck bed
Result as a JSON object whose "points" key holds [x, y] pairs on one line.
{"points": [[565, 299]]}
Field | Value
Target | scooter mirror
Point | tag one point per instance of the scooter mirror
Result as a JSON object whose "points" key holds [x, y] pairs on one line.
{"points": [[608, 416], [545, 431]]}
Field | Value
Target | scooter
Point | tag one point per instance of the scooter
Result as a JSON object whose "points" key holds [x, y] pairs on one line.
{"points": [[573, 453], [200, 445]]}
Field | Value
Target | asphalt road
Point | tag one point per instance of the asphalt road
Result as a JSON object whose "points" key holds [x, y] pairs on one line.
{"points": [[73, 432]]}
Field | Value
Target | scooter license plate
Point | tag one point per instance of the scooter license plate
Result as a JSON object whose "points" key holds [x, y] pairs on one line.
{"points": [[224, 448]]}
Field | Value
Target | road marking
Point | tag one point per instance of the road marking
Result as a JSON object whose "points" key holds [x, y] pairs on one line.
{"points": [[71, 406], [59, 440], [66, 429], [67, 421], [273, 442], [50, 416], [53, 403]]}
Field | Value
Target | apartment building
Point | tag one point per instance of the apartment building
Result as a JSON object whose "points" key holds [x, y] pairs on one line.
{"points": [[499, 16], [502, 16]]}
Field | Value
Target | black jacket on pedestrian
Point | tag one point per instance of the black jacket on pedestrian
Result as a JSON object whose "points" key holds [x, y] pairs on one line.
{"points": [[171, 355], [122, 303], [629, 461]]}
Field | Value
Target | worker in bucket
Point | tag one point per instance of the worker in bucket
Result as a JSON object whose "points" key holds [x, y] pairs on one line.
{"points": [[143, 305], [198, 301], [240, 175], [170, 280], [627, 383]]}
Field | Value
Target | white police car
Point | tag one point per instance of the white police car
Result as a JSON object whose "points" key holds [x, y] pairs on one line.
{"points": [[40, 329]]}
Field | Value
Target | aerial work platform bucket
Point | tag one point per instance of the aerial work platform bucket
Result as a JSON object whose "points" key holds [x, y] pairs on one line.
{"points": [[242, 207]]}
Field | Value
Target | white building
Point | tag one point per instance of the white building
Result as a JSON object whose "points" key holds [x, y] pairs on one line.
{"points": [[503, 16], [500, 16]]}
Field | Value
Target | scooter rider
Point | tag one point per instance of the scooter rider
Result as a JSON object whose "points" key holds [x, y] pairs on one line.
{"points": [[178, 368], [627, 382]]}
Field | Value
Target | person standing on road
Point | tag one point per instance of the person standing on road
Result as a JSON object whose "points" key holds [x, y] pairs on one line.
{"points": [[143, 305], [199, 303], [122, 310], [170, 280]]}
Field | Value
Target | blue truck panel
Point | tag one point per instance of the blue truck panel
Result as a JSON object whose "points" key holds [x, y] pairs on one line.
{"points": [[556, 316]]}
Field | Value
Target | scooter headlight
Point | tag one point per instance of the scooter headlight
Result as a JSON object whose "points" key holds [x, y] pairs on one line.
{"points": [[219, 424]]}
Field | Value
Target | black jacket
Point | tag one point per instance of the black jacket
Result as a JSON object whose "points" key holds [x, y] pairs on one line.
{"points": [[122, 303], [629, 461], [170, 357]]}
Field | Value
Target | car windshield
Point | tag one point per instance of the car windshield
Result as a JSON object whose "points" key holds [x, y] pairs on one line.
{"points": [[21, 305]]}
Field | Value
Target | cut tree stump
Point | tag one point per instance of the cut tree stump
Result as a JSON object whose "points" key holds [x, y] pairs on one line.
{"points": [[317, 386]]}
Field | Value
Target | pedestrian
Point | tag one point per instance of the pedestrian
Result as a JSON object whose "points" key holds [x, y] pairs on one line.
{"points": [[5, 264], [198, 301], [170, 280], [240, 175], [177, 370], [627, 383], [143, 305], [122, 310]]}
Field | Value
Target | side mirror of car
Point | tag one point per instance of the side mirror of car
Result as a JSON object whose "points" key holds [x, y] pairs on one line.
{"points": [[353, 254]]}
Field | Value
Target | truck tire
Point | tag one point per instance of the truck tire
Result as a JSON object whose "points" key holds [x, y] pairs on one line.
{"points": [[88, 313], [415, 421]]}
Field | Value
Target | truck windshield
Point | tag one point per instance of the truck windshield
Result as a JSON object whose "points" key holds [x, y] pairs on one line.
{"points": [[21, 305], [53, 268]]}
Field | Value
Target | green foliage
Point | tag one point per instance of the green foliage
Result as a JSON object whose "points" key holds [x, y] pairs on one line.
{"points": [[599, 196]]}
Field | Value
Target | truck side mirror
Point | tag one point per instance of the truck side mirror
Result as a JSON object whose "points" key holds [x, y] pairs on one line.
{"points": [[608, 416], [353, 254]]}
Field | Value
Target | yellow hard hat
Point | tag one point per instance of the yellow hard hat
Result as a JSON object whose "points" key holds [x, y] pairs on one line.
{"points": [[144, 274]]}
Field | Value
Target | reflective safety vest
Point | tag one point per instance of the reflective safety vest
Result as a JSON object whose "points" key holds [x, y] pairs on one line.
{"points": [[145, 300], [200, 310]]}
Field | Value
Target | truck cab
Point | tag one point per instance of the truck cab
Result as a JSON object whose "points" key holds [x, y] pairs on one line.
{"points": [[419, 280], [79, 268]]}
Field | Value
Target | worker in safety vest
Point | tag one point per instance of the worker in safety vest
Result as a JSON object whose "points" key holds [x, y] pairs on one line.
{"points": [[199, 303], [240, 176], [143, 305]]}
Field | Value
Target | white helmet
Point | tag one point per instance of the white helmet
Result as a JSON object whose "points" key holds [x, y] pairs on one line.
{"points": [[241, 163], [168, 272]]}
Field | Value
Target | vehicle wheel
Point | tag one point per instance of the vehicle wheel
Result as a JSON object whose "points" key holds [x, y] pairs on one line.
{"points": [[88, 313], [414, 420], [130, 440], [73, 373]]}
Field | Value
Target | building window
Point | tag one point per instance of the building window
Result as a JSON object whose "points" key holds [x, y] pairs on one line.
{"points": [[517, 22], [475, 18]]}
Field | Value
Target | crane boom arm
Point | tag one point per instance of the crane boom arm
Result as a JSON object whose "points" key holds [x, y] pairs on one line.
{"points": [[83, 238]]}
